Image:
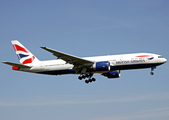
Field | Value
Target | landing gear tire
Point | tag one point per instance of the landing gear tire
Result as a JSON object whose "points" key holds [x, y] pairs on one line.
{"points": [[80, 78], [86, 81], [83, 76], [87, 76], [93, 79], [151, 73], [90, 80]]}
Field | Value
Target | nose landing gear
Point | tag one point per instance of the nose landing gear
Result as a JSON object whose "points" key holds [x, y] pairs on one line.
{"points": [[152, 73], [87, 76], [152, 68]]}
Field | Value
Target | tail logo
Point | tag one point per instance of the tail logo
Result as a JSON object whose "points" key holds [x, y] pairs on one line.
{"points": [[23, 54], [18, 48], [30, 60]]}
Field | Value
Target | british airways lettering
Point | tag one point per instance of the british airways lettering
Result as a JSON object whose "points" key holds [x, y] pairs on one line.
{"points": [[132, 61]]}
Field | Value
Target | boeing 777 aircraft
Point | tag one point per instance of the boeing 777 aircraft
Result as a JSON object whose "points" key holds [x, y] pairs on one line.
{"points": [[108, 66]]}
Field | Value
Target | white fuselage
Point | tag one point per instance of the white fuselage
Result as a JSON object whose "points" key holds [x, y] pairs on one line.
{"points": [[117, 62], [108, 66]]}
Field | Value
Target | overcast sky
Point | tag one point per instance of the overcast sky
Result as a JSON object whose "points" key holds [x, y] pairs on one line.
{"points": [[84, 28]]}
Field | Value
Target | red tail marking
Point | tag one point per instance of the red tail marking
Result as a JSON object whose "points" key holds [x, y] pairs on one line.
{"points": [[30, 60], [18, 48]]}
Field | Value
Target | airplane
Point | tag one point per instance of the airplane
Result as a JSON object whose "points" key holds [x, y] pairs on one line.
{"points": [[109, 66]]}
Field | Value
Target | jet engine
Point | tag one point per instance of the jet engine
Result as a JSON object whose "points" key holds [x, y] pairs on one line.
{"points": [[101, 66], [112, 74]]}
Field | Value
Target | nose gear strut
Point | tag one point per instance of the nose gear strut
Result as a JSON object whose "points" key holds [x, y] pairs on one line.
{"points": [[152, 68]]}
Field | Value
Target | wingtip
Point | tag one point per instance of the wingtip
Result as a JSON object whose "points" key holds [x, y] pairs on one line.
{"points": [[4, 62], [42, 47]]}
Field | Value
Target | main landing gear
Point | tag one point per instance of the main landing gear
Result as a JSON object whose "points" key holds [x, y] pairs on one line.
{"points": [[152, 73], [87, 76]]}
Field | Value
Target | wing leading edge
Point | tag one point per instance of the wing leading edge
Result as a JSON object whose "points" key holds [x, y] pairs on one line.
{"points": [[70, 58]]}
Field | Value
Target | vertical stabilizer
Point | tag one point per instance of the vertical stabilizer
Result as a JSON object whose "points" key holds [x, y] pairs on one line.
{"points": [[25, 57]]}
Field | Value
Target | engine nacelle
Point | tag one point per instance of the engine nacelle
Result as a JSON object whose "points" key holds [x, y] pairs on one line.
{"points": [[102, 66], [112, 74]]}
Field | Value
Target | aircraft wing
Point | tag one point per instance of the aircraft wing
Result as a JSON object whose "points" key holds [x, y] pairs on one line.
{"points": [[69, 58], [17, 65]]}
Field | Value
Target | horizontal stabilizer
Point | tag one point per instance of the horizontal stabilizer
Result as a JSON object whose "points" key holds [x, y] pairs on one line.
{"points": [[17, 65]]}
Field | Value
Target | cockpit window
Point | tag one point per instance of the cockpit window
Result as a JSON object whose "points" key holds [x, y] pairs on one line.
{"points": [[160, 56]]}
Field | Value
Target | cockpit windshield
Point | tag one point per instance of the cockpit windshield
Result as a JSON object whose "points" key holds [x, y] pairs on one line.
{"points": [[160, 56]]}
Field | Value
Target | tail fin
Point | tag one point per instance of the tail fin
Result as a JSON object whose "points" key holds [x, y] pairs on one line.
{"points": [[25, 57]]}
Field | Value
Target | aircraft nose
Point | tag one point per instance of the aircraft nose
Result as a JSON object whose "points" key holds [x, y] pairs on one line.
{"points": [[165, 60], [162, 60]]}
